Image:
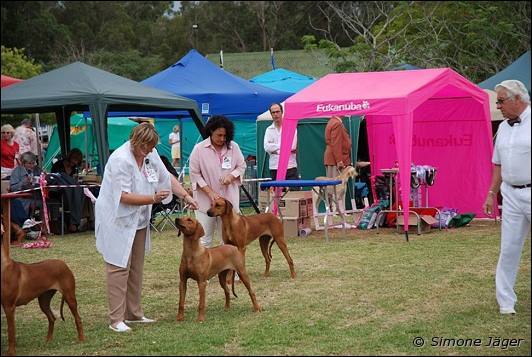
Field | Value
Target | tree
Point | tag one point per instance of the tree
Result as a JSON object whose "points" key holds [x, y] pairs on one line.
{"points": [[16, 64], [476, 38]]}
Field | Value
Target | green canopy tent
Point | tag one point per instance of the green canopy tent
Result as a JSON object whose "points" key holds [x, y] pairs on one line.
{"points": [[310, 146], [82, 137], [118, 130], [79, 87]]}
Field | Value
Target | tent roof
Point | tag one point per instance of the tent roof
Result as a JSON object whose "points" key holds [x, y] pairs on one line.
{"points": [[383, 93], [215, 90], [283, 79], [77, 85], [519, 69], [7, 81]]}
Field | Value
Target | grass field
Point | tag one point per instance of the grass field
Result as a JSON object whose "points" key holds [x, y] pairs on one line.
{"points": [[366, 293], [247, 65]]}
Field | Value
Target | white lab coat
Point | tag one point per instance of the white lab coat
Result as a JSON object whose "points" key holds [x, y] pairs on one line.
{"points": [[116, 223]]}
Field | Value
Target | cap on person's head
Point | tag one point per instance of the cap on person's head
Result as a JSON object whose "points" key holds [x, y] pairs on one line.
{"points": [[515, 87]]}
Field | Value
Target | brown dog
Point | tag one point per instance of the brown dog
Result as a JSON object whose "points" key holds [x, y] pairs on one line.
{"points": [[241, 230], [22, 283], [200, 264]]}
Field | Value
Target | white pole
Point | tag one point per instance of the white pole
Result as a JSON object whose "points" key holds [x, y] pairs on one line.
{"points": [[39, 148]]}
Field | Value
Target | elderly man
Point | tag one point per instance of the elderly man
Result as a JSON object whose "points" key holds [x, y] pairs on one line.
{"points": [[511, 174]]}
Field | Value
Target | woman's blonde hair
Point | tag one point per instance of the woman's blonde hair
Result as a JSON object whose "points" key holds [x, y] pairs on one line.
{"points": [[8, 128], [144, 134]]}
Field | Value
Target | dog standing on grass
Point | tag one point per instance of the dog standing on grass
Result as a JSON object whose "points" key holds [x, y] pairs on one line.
{"points": [[200, 264], [22, 283], [241, 230], [346, 173]]}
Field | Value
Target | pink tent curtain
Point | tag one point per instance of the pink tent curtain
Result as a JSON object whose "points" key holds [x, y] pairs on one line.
{"points": [[430, 117]]}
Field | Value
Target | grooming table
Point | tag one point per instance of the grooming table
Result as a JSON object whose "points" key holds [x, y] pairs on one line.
{"points": [[318, 186]]}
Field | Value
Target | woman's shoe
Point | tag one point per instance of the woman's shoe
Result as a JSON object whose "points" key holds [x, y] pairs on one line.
{"points": [[120, 327]]}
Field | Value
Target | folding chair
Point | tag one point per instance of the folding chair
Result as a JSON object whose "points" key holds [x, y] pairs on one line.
{"points": [[165, 211]]}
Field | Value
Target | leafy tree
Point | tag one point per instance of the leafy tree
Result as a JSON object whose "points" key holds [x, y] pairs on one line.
{"points": [[476, 38], [16, 64]]}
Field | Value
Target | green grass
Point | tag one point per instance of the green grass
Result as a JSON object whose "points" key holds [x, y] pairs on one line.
{"points": [[249, 64], [367, 293]]}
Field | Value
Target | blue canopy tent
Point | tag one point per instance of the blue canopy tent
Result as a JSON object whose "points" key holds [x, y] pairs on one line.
{"points": [[519, 69], [284, 80], [216, 92]]}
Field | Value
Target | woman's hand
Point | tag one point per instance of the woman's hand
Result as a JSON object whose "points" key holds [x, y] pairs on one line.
{"points": [[227, 180], [159, 196], [213, 196], [192, 204]]}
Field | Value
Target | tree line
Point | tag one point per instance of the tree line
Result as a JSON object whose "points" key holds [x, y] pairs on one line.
{"points": [[137, 39]]}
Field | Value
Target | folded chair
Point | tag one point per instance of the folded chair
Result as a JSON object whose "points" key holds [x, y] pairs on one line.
{"points": [[165, 211]]}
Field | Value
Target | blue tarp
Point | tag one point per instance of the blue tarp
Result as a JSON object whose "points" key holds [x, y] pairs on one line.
{"points": [[215, 90], [519, 69], [284, 80]]}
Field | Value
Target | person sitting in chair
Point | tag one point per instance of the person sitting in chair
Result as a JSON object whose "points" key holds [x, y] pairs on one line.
{"points": [[74, 198], [24, 177]]}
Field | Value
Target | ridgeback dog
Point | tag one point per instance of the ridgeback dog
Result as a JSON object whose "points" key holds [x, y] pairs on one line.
{"points": [[200, 264], [241, 230], [22, 283]]}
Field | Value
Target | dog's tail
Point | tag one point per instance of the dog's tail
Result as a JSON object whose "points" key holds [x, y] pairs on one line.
{"points": [[61, 308], [266, 242], [233, 283], [270, 248]]}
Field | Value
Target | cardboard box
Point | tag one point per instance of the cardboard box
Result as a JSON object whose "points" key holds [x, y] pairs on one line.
{"points": [[425, 222], [90, 179], [293, 208], [292, 226], [298, 195]]}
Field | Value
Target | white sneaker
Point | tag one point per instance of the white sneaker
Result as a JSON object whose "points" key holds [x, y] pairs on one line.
{"points": [[507, 311], [120, 327], [143, 320]]}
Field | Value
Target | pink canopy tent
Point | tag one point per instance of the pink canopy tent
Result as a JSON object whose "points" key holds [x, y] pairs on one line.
{"points": [[430, 117], [7, 81]]}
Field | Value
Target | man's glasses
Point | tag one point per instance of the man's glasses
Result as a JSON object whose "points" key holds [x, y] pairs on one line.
{"points": [[275, 112], [502, 100]]}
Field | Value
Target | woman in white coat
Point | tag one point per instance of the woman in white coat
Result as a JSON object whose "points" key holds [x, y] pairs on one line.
{"points": [[134, 179]]}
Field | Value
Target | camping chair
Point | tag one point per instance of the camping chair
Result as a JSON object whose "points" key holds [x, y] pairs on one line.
{"points": [[165, 211], [175, 206]]}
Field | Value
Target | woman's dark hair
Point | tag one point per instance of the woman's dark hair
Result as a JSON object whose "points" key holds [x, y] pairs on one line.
{"points": [[221, 121]]}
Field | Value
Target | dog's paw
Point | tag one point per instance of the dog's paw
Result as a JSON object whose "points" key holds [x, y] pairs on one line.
{"points": [[180, 318]]}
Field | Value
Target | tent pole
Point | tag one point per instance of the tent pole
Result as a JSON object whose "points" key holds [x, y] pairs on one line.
{"points": [[39, 148], [87, 160]]}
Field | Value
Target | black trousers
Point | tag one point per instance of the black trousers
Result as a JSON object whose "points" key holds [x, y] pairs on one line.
{"points": [[291, 174]]}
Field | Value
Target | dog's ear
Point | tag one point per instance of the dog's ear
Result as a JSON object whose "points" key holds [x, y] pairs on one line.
{"points": [[228, 206]]}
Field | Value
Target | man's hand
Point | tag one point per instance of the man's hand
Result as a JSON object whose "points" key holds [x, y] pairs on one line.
{"points": [[487, 207]]}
